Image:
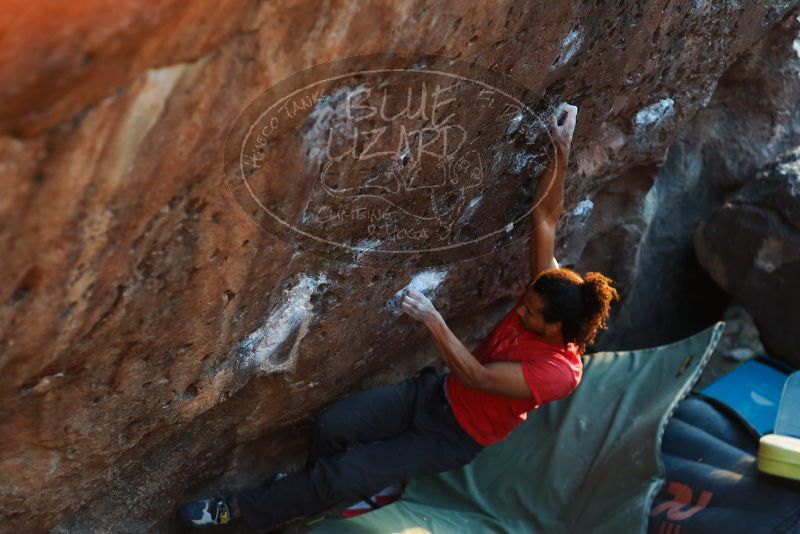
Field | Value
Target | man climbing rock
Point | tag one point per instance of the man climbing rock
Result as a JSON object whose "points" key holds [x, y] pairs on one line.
{"points": [[435, 422]]}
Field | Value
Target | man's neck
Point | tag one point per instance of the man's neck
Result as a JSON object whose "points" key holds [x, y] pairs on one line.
{"points": [[554, 339]]}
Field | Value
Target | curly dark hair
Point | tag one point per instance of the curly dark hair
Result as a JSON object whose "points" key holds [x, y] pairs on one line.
{"points": [[581, 304]]}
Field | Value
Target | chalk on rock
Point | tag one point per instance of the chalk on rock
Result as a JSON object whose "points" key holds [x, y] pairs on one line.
{"points": [[425, 282]]}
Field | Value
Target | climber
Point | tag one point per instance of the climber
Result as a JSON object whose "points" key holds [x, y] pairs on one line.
{"points": [[435, 422]]}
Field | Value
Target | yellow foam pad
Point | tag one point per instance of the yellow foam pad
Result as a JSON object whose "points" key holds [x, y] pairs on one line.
{"points": [[779, 455]]}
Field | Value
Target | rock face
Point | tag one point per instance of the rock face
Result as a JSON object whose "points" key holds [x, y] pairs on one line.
{"points": [[135, 288], [751, 119], [751, 247]]}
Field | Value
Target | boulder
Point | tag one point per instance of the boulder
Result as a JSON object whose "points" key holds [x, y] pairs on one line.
{"points": [[751, 247], [153, 337]]}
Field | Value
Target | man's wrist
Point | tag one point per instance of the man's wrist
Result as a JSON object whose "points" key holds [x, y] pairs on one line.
{"points": [[433, 320]]}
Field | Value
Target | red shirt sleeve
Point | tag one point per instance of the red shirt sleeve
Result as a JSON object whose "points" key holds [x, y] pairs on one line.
{"points": [[549, 378]]}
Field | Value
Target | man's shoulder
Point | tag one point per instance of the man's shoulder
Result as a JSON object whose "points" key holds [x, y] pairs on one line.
{"points": [[537, 348]]}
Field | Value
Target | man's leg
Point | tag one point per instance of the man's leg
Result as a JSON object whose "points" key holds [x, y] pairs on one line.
{"points": [[434, 442], [376, 414], [363, 417], [348, 475]]}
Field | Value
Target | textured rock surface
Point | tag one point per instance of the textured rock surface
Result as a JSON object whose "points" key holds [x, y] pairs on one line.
{"points": [[131, 278], [751, 119], [751, 248]]}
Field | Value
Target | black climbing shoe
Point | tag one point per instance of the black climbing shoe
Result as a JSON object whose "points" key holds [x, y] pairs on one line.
{"points": [[206, 512]]}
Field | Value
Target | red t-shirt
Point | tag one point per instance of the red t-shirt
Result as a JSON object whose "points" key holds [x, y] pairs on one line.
{"points": [[551, 372]]}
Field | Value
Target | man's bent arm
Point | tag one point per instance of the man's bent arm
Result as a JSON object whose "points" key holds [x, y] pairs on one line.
{"points": [[460, 361], [503, 378]]}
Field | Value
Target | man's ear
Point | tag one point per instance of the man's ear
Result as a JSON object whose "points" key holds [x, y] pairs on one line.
{"points": [[554, 328]]}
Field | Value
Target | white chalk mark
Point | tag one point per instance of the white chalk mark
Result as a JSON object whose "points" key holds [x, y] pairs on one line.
{"points": [[654, 113], [328, 118], [404, 154], [55, 462], [791, 171], [584, 208], [360, 249], [293, 316], [519, 161], [426, 282], [569, 47], [365, 246], [794, 182], [474, 202], [469, 211], [513, 126]]}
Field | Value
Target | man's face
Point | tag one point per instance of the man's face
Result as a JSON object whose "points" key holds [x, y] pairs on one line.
{"points": [[530, 313]]}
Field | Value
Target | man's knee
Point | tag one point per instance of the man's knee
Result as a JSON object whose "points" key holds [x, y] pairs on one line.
{"points": [[327, 428]]}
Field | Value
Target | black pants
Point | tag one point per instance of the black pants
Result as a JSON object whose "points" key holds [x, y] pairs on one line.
{"points": [[363, 443]]}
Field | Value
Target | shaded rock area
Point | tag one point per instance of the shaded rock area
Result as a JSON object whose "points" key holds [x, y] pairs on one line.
{"points": [[136, 295], [751, 247], [751, 119]]}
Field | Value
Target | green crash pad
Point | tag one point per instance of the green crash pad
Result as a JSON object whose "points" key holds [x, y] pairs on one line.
{"points": [[587, 463]]}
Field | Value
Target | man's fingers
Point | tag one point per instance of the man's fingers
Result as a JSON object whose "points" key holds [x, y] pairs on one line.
{"points": [[572, 114], [411, 304], [569, 112], [411, 311], [569, 109], [417, 296]]}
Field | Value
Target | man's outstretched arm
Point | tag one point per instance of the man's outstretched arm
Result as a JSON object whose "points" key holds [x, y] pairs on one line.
{"points": [[503, 378], [548, 197]]}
